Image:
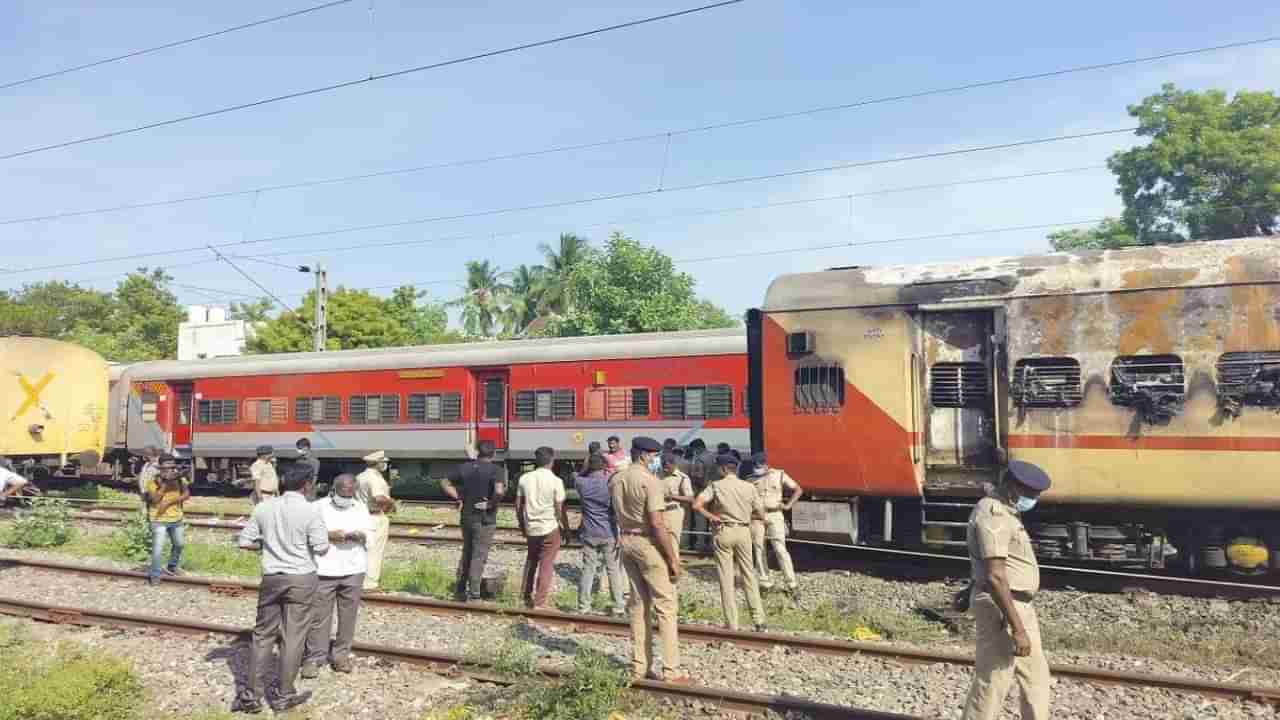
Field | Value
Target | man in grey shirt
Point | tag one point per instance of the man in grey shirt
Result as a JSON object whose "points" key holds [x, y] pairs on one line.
{"points": [[290, 532]]}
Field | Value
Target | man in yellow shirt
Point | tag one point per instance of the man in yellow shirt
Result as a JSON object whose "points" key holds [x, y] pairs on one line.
{"points": [[165, 494]]}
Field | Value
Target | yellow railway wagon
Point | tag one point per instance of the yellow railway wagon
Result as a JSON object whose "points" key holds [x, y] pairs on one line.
{"points": [[53, 403]]}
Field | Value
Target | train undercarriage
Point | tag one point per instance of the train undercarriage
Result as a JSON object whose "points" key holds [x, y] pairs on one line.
{"points": [[1198, 542]]}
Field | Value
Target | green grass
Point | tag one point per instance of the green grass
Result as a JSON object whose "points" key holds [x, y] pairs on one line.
{"points": [[93, 491], [591, 691], [64, 681], [503, 654], [849, 623]]}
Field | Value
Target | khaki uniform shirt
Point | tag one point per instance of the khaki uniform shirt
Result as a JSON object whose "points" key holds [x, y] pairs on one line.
{"points": [[770, 488], [677, 483], [369, 485], [733, 499], [996, 531], [635, 492], [264, 477]]}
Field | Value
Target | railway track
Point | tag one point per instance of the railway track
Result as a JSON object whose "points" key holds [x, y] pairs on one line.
{"points": [[703, 633], [724, 699], [907, 564]]}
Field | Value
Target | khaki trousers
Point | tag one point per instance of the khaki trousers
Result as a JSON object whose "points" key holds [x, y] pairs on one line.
{"points": [[674, 520], [774, 529], [652, 593], [733, 549], [996, 667], [377, 547]]}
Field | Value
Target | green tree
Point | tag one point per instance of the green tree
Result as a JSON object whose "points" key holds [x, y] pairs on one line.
{"points": [[357, 319], [1210, 171], [557, 296], [1108, 235], [427, 321], [137, 321], [482, 298], [627, 288], [524, 299], [254, 311]]}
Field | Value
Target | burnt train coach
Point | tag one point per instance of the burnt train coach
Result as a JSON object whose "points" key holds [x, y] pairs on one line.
{"points": [[1145, 381], [425, 406]]}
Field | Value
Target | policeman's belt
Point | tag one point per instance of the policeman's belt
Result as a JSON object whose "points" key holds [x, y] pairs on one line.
{"points": [[773, 509], [1022, 595], [673, 506], [634, 532], [730, 523]]}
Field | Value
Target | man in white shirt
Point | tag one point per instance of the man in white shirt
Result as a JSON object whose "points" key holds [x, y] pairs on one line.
{"points": [[341, 572], [540, 511]]}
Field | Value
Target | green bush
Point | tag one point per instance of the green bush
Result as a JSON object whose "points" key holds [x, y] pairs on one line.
{"points": [[46, 524], [131, 540], [506, 656], [591, 691], [422, 577], [65, 682]]}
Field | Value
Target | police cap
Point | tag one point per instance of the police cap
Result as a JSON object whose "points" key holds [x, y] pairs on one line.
{"points": [[265, 450], [760, 458], [1028, 475], [642, 443], [727, 459]]}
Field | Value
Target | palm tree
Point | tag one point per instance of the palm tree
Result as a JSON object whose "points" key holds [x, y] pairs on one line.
{"points": [[524, 299], [557, 293], [482, 298]]}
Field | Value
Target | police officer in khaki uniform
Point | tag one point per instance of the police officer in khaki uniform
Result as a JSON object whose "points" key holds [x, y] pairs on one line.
{"points": [[372, 490], [771, 482], [266, 484], [678, 490], [733, 502], [1005, 580], [651, 560]]}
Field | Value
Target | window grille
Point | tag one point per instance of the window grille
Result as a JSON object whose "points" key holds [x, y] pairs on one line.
{"points": [[217, 412], [326, 409], [819, 388], [1052, 382], [1154, 385], [150, 407], [373, 409], [959, 385], [435, 407], [697, 401], [533, 405], [1248, 378]]}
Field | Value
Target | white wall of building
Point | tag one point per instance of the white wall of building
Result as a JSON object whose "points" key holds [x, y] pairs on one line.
{"points": [[208, 333]]}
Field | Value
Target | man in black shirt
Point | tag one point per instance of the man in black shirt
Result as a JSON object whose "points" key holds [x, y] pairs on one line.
{"points": [[478, 487]]}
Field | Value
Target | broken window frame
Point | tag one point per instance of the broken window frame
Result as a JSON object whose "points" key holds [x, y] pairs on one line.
{"points": [[1248, 379], [1156, 399], [1047, 383]]}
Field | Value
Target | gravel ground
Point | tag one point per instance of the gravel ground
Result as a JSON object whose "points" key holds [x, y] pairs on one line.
{"points": [[929, 690], [183, 674]]}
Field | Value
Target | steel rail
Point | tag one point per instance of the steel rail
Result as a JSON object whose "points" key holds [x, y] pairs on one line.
{"points": [[448, 663], [710, 634]]}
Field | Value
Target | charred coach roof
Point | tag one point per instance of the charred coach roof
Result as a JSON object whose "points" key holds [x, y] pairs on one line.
{"points": [[1222, 262], [731, 341]]}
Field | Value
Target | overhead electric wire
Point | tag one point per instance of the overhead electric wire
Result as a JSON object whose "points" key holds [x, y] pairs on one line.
{"points": [[599, 198], [176, 43], [250, 278], [366, 80], [635, 138]]}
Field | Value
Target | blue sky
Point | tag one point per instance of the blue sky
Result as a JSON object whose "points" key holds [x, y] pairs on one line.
{"points": [[748, 60]]}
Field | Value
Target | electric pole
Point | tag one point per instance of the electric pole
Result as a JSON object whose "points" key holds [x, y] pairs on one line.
{"points": [[321, 333]]}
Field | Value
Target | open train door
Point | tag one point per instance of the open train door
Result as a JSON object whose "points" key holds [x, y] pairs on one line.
{"points": [[491, 407], [963, 437], [181, 421]]}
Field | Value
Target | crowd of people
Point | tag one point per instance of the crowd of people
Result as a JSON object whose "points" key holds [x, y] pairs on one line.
{"points": [[638, 507]]}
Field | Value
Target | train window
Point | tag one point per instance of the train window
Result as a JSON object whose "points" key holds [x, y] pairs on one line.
{"points": [[1248, 378], [639, 402], [819, 388], [184, 407], [372, 409], [545, 405], [495, 399], [959, 385], [150, 402], [266, 411], [217, 412], [1154, 385], [435, 407], [1052, 382], [697, 401], [318, 409]]}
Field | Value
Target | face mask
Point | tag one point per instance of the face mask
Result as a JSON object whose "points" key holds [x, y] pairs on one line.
{"points": [[1024, 504], [655, 465], [303, 452], [342, 503]]}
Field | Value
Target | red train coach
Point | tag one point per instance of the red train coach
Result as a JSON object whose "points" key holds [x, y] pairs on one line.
{"points": [[425, 406]]}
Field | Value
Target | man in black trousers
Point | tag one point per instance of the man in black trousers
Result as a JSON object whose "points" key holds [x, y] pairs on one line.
{"points": [[478, 486]]}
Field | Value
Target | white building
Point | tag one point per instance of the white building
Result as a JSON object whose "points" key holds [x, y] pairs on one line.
{"points": [[208, 333]]}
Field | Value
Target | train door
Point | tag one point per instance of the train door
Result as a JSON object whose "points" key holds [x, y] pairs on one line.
{"points": [[491, 407], [961, 353], [181, 423]]}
